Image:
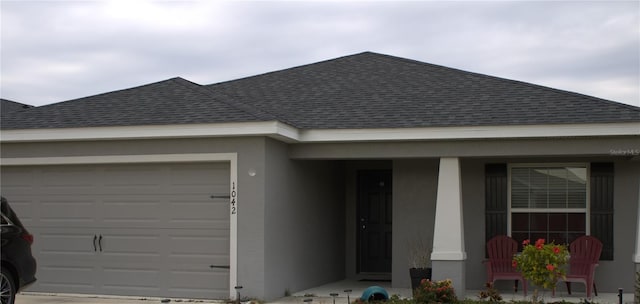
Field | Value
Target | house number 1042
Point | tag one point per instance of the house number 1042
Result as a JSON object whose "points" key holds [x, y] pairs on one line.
{"points": [[233, 199]]}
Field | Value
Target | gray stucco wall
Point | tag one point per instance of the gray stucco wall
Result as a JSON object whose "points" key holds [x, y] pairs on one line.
{"points": [[625, 197], [415, 183], [472, 172], [304, 233]]}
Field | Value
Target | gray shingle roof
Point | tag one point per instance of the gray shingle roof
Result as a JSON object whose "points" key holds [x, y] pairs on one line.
{"points": [[365, 90], [370, 90], [10, 106], [173, 101]]}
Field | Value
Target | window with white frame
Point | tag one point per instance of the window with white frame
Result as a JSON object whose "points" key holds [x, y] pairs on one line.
{"points": [[548, 201]]}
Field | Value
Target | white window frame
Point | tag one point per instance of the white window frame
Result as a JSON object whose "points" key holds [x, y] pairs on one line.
{"points": [[586, 210]]}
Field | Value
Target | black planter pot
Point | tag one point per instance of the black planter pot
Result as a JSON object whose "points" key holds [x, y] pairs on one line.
{"points": [[417, 275]]}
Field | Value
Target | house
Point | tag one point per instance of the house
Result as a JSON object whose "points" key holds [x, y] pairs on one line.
{"points": [[332, 170]]}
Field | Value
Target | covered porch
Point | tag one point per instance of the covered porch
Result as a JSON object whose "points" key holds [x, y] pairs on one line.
{"points": [[439, 194]]}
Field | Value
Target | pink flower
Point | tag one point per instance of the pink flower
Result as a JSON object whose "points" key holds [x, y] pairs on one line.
{"points": [[514, 263], [550, 267], [556, 249], [526, 242], [539, 244]]}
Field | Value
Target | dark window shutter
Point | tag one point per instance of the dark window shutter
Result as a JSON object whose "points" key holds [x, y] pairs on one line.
{"points": [[496, 184], [602, 206]]}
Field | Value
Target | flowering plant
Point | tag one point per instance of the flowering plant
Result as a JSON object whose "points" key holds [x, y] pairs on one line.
{"points": [[542, 264], [435, 292]]}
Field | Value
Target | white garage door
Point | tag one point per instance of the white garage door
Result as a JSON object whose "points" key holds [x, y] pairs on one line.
{"points": [[126, 229]]}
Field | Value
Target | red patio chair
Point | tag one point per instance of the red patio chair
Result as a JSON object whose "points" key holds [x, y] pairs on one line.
{"points": [[585, 253], [501, 250]]}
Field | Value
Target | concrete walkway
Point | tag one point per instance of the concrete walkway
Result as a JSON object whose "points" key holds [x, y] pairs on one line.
{"points": [[319, 295]]}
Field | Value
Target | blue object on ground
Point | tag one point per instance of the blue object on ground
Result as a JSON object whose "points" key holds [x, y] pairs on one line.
{"points": [[374, 293]]}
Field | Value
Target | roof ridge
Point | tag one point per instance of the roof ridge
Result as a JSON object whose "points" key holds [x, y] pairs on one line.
{"points": [[521, 82], [292, 68], [221, 97], [562, 91], [24, 105], [111, 92]]}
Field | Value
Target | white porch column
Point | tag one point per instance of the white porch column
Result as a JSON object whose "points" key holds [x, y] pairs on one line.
{"points": [[448, 256]]}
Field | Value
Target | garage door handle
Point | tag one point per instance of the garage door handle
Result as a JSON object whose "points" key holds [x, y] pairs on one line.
{"points": [[100, 242], [220, 266], [95, 237], [220, 196]]}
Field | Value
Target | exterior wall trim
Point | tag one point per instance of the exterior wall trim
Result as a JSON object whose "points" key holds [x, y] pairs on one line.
{"points": [[232, 158], [471, 132], [287, 133], [117, 159], [274, 129]]}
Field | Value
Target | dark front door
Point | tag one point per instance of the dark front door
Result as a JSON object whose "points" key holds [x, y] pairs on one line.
{"points": [[374, 221]]}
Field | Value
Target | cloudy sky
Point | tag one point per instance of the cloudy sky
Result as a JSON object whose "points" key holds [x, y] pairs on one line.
{"points": [[53, 51]]}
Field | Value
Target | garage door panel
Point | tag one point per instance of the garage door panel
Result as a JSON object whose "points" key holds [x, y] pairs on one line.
{"points": [[70, 211], [20, 182], [131, 290], [198, 224], [65, 278], [121, 211], [199, 174], [212, 283], [132, 244], [142, 177], [192, 253], [65, 176], [205, 214], [69, 242], [198, 243], [61, 181], [132, 189], [131, 279], [175, 179]]}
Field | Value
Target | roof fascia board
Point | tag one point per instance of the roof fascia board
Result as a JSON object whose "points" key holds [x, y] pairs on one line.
{"points": [[267, 128], [287, 133], [472, 132]]}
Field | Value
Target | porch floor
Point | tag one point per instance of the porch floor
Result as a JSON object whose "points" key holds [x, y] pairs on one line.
{"points": [[321, 294]]}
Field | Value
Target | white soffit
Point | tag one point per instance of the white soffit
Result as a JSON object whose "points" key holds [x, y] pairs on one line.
{"points": [[473, 132], [269, 128], [291, 134]]}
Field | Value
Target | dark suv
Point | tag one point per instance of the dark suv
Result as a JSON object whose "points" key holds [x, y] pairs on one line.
{"points": [[18, 265]]}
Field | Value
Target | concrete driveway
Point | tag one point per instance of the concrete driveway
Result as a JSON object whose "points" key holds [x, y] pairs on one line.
{"points": [[43, 298]]}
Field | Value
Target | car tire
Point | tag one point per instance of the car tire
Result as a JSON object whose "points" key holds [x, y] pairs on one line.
{"points": [[7, 287]]}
